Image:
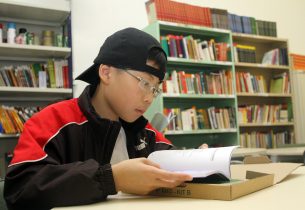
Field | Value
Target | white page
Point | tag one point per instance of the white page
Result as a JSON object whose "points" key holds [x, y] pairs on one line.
{"points": [[196, 162]]}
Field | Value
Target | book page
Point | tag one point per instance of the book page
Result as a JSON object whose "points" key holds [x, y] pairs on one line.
{"points": [[196, 162]]}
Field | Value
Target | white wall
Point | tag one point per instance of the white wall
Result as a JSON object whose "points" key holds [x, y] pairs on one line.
{"points": [[94, 20]]}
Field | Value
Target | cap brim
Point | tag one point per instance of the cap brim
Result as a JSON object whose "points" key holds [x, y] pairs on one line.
{"points": [[90, 75]]}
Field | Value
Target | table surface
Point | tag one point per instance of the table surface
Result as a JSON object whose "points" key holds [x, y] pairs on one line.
{"points": [[242, 152], [289, 194], [289, 151]]}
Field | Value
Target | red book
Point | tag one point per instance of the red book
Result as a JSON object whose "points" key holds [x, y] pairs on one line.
{"points": [[208, 17], [179, 47], [66, 82], [244, 75], [237, 82]]}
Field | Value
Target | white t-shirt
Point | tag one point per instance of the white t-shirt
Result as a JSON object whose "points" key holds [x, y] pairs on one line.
{"points": [[120, 152]]}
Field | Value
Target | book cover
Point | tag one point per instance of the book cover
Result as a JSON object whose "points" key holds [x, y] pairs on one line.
{"points": [[276, 85]]}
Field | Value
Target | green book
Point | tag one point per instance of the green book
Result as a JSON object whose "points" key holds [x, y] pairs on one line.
{"points": [[276, 85], [253, 25], [164, 44], [51, 72]]}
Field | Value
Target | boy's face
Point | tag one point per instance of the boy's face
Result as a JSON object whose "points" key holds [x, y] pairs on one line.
{"points": [[130, 93]]}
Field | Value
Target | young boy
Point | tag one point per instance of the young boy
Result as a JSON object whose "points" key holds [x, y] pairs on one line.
{"points": [[81, 150]]}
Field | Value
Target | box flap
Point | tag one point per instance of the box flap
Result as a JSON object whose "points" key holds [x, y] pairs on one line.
{"points": [[256, 159], [256, 181], [280, 170]]}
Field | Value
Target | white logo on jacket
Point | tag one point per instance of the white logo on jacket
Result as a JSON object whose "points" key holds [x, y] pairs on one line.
{"points": [[142, 145]]}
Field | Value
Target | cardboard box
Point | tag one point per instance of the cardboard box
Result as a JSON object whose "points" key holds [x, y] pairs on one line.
{"points": [[250, 178]]}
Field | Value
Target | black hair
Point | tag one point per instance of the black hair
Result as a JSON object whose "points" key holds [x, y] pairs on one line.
{"points": [[158, 56]]}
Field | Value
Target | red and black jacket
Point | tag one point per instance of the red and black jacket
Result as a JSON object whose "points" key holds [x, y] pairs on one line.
{"points": [[62, 157]]}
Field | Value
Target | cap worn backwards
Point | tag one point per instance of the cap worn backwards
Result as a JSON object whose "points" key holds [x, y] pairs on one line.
{"points": [[126, 49]]}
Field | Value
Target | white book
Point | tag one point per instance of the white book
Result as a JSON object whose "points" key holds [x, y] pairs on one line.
{"points": [[175, 82], [186, 120], [185, 48], [197, 162], [42, 79]]}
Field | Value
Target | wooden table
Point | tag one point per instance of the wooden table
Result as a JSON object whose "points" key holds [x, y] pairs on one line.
{"points": [[289, 194]]}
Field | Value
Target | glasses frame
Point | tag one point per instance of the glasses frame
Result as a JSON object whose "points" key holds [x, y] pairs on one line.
{"points": [[145, 85]]}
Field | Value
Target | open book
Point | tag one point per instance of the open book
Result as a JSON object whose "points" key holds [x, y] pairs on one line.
{"points": [[210, 165]]}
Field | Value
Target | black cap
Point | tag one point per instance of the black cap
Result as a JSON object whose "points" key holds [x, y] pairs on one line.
{"points": [[126, 49]]}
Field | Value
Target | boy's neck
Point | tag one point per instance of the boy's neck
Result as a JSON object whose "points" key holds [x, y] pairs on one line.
{"points": [[101, 105]]}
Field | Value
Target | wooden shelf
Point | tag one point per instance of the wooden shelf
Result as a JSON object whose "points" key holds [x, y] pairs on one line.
{"points": [[193, 29], [201, 131], [193, 62], [197, 96], [30, 51], [261, 66], [257, 38], [35, 90], [55, 13], [275, 95], [33, 94], [265, 124]]}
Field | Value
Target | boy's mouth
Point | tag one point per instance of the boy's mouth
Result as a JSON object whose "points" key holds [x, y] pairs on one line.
{"points": [[140, 111]]}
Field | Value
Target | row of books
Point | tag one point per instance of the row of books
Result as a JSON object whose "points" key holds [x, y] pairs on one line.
{"points": [[13, 118], [298, 61], [247, 54], [166, 10], [244, 53], [249, 25], [219, 82], [263, 114], [248, 83], [194, 119], [53, 74], [177, 12], [266, 139], [276, 56], [179, 46]]}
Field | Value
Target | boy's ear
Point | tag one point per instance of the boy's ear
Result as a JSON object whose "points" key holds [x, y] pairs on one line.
{"points": [[104, 73]]}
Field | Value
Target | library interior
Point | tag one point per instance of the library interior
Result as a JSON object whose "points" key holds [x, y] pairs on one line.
{"points": [[210, 113]]}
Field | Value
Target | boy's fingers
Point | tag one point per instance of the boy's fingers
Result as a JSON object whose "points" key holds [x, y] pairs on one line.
{"points": [[173, 176], [167, 175], [151, 163], [167, 184]]}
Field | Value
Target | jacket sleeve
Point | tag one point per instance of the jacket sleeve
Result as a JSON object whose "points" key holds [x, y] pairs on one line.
{"points": [[44, 181], [44, 186], [161, 143]]}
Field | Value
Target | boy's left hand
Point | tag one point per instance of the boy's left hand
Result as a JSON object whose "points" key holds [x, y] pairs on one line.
{"points": [[203, 146]]}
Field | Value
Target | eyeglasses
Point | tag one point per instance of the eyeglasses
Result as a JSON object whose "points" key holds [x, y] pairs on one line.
{"points": [[145, 85]]}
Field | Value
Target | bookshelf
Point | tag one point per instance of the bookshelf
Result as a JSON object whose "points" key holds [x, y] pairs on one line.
{"points": [[263, 99], [36, 17], [192, 138], [33, 51]]}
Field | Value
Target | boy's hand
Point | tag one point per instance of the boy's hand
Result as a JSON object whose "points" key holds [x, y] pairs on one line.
{"points": [[141, 176], [203, 146]]}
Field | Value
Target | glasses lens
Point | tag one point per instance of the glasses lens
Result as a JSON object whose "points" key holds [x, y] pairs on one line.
{"points": [[148, 88]]}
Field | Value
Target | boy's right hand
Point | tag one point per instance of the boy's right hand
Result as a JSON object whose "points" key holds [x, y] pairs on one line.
{"points": [[141, 176]]}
